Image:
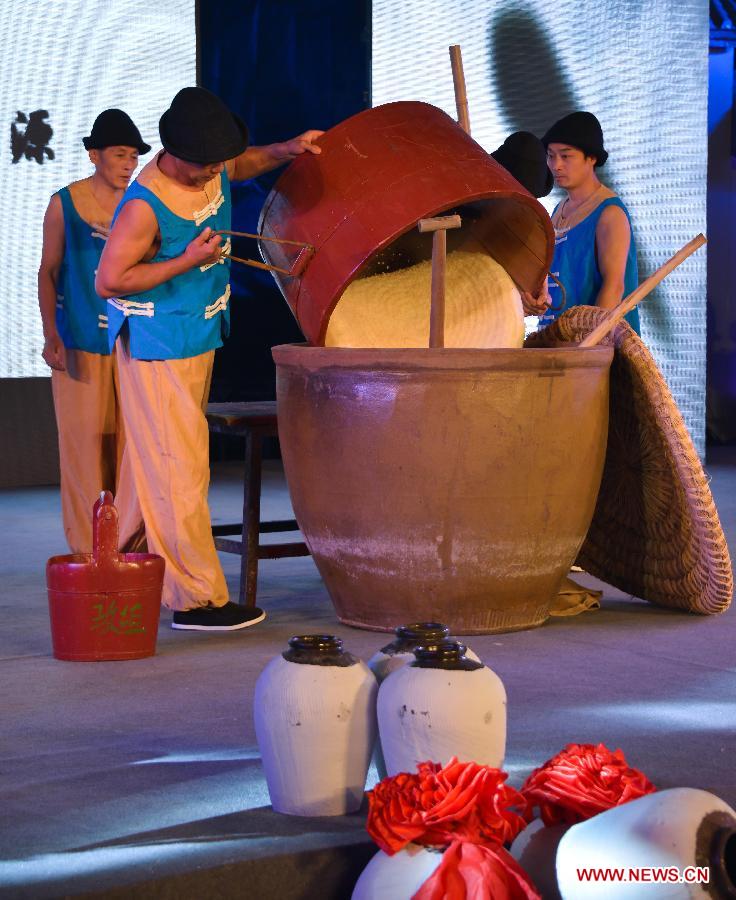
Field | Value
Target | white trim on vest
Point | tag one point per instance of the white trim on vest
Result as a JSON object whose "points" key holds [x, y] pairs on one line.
{"points": [[218, 306], [209, 210], [225, 252], [132, 307]]}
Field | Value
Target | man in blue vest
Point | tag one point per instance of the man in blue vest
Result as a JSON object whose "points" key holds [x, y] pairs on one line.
{"points": [[84, 373], [595, 253], [166, 276]]}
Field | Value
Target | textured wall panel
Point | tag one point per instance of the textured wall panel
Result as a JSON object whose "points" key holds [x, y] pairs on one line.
{"points": [[72, 58], [641, 67]]}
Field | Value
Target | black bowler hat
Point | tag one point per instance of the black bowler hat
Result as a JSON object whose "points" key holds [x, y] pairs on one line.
{"points": [[581, 130], [523, 155], [114, 128], [199, 128]]}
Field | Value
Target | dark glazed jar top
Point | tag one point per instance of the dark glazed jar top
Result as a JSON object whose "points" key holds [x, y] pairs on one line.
{"points": [[444, 654], [318, 650], [723, 861], [416, 635]]}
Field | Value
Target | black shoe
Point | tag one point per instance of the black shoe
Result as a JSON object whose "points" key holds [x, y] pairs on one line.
{"points": [[217, 618]]}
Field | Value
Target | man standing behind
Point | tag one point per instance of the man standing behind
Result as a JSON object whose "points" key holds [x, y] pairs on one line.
{"points": [[166, 276], [595, 254], [84, 377]]}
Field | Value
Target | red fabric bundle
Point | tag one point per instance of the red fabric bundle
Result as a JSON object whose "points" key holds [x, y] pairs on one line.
{"points": [[582, 781]]}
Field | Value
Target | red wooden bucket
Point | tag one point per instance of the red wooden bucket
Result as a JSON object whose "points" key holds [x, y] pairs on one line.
{"points": [[104, 605], [358, 202]]}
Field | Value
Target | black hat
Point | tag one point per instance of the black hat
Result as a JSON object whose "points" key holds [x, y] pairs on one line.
{"points": [[523, 155], [114, 128], [581, 130], [199, 128]]}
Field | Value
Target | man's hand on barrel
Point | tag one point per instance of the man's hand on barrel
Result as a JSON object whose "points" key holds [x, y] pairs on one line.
{"points": [[303, 143], [535, 305]]}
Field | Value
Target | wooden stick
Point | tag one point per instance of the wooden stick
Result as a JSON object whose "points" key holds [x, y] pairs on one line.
{"points": [[437, 309], [262, 237], [259, 265], [438, 225], [458, 79], [626, 305]]}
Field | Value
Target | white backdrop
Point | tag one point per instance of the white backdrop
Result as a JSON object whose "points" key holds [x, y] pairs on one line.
{"points": [[73, 58], [641, 67]]}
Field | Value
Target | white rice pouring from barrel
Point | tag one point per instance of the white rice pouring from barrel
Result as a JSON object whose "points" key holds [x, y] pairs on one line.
{"points": [[482, 306]]}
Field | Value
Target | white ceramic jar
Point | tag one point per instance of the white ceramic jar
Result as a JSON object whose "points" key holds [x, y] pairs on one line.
{"points": [[315, 720], [681, 829], [535, 849], [396, 877], [441, 705], [400, 652]]}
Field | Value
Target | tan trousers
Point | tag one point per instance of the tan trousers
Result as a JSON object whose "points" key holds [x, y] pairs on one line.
{"points": [[163, 405], [92, 450]]}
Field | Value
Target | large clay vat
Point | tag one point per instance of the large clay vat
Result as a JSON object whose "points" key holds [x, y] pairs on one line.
{"points": [[447, 485], [359, 201]]}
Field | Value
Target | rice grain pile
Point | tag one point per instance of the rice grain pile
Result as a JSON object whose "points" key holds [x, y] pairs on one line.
{"points": [[482, 307]]}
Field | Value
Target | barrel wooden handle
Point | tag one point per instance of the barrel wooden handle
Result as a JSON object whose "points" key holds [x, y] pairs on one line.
{"points": [[437, 308], [458, 80], [648, 285], [439, 223]]}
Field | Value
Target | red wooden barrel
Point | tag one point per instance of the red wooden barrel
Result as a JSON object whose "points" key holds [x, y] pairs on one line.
{"points": [[358, 203], [104, 605]]}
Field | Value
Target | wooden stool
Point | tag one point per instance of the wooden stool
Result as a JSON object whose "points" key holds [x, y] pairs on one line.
{"points": [[253, 421]]}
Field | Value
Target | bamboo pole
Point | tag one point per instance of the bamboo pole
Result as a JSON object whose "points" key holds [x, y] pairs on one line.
{"points": [[458, 79], [648, 285]]}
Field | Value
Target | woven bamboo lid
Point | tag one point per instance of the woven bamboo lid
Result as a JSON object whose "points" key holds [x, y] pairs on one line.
{"points": [[655, 531]]}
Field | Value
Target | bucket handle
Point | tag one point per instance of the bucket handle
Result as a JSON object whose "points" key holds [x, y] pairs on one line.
{"points": [[298, 266], [563, 294], [105, 529]]}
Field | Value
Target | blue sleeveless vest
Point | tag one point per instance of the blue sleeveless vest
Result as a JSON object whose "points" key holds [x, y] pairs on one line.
{"points": [[576, 266], [81, 316], [187, 315]]}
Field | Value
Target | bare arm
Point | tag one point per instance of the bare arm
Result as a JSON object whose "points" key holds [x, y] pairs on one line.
{"points": [[612, 241], [256, 160], [52, 256], [123, 269]]}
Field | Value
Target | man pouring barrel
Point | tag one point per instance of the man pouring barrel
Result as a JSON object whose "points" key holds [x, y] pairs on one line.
{"points": [[165, 274]]}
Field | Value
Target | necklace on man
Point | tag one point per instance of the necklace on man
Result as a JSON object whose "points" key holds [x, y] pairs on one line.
{"points": [[564, 217]]}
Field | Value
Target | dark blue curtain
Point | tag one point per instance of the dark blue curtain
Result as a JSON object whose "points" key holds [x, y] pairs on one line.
{"points": [[285, 66]]}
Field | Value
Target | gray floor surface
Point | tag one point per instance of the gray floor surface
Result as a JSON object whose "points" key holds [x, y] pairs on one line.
{"points": [[111, 773]]}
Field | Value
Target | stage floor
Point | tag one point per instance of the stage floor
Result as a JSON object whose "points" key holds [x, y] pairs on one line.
{"points": [[142, 779]]}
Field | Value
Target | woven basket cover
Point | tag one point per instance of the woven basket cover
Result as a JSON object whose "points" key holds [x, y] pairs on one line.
{"points": [[655, 531]]}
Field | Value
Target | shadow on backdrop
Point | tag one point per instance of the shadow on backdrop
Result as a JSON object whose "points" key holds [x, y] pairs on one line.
{"points": [[535, 88]]}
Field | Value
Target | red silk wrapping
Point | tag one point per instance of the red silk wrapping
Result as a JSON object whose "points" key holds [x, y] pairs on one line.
{"points": [[582, 781], [438, 805], [477, 872]]}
